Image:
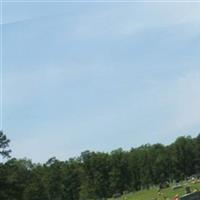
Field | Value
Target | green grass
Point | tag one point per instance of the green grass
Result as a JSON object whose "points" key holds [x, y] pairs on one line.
{"points": [[154, 194]]}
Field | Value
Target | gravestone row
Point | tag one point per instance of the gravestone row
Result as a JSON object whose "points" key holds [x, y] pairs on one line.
{"points": [[191, 196]]}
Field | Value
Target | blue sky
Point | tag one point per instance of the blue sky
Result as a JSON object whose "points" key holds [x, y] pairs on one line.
{"points": [[99, 76]]}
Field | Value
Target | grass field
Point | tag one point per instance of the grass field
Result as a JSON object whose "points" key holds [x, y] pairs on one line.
{"points": [[154, 194]]}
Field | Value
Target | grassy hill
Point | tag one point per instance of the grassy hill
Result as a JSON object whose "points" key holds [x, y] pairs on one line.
{"points": [[154, 194]]}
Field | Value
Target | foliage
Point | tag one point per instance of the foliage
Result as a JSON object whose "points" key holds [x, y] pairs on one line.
{"points": [[4, 144], [97, 175]]}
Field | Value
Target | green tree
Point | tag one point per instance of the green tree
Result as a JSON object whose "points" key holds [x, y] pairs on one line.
{"points": [[4, 144]]}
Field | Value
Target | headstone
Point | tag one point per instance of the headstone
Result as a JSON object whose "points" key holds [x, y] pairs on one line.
{"points": [[164, 185], [177, 187], [125, 192], [187, 190], [191, 196], [116, 195]]}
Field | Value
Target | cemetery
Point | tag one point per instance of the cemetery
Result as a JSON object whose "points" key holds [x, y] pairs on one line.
{"points": [[186, 190]]}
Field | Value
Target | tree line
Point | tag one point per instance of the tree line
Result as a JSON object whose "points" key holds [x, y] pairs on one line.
{"points": [[98, 175]]}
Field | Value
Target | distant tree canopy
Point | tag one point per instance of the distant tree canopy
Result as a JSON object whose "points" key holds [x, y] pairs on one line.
{"points": [[4, 144], [96, 175]]}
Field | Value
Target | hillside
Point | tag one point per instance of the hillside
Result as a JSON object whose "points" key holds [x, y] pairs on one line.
{"points": [[154, 194]]}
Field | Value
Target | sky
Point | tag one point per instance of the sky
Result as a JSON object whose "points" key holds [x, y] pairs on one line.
{"points": [[98, 76]]}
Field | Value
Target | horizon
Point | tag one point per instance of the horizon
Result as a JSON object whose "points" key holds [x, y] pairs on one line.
{"points": [[4, 160]]}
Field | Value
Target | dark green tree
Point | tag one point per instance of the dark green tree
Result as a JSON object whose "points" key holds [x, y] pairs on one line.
{"points": [[4, 144]]}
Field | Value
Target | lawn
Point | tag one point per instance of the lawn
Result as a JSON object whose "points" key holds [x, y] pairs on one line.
{"points": [[154, 194]]}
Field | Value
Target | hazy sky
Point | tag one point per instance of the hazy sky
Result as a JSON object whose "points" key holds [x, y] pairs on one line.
{"points": [[99, 76]]}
